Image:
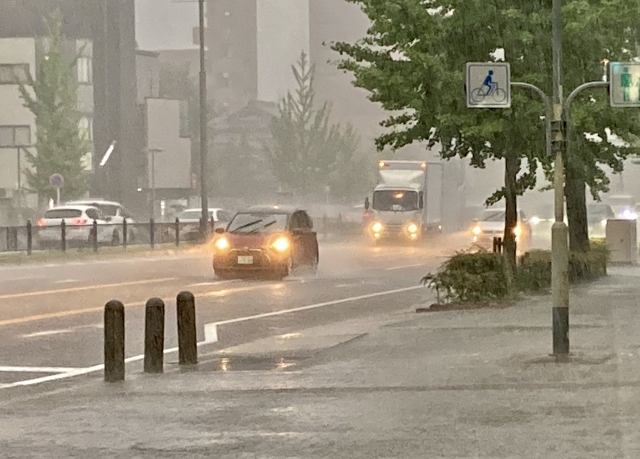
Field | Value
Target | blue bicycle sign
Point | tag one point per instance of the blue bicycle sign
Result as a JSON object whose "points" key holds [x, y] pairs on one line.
{"points": [[488, 84]]}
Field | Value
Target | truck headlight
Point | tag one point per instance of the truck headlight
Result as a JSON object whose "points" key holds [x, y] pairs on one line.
{"points": [[477, 230], [376, 227], [412, 228], [281, 244], [222, 243]]}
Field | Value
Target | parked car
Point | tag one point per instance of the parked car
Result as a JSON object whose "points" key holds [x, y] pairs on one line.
{"points": [[491, 225], [114, 213], [266, 239], [78, 227], [190, 221]]}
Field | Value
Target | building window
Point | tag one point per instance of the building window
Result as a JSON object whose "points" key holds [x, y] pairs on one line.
{"points": [[86, 128], [85, 70], [14, 73], [15, 136]]}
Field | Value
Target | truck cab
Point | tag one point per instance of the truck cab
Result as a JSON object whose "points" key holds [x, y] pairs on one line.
{"points": [[399, 201]]}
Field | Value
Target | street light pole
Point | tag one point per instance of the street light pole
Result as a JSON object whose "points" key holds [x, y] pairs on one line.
{"points": [[203, 125], [559, 233]]}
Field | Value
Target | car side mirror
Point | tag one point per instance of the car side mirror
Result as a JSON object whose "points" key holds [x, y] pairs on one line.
{"points": [[219, 230]]}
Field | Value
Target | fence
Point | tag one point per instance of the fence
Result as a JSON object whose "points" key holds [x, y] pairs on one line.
{"points": [[30, 237]]}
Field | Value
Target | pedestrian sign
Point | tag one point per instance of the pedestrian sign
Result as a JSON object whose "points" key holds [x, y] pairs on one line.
{"points": [[624, 78], [488, 85]]}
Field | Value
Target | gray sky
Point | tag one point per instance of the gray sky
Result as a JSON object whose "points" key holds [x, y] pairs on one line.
{"points": [[165, 24]]}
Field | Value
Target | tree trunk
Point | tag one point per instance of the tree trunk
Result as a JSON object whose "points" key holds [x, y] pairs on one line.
{"points": [[575, 192], [512, 166]]}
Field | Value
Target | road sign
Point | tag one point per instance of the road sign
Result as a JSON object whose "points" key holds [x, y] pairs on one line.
{"points": [[624, 78], [56, 181], [488, 85]]}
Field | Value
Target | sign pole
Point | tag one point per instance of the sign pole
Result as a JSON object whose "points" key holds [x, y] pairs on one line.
{"points": [[57, 196]]}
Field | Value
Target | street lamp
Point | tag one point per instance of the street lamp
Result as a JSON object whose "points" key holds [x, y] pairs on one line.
{"points": [[153, 152], [203, 124]]}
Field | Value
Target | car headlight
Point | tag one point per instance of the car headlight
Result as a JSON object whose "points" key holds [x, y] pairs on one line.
{"points": [[222, 243], [281, 244], [477, 230], [412, 228], [603, 222], [535, 220], [517, 231], [376, 227]]}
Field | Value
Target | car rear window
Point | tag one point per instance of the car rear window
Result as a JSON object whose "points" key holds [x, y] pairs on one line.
{"points": [[62, 213]]}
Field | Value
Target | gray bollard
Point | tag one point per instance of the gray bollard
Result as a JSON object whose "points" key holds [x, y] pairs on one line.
{"points": [[114, 341], [187, 337], [154, 336]]}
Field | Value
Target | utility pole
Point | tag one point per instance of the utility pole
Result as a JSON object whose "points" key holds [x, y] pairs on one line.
{"points": [[559, 233], [203, 125]]}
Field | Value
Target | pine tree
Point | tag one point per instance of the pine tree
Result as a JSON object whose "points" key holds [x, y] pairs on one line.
{"points": [[51, 96]]}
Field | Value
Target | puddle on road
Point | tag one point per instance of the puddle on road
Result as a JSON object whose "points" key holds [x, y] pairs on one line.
{"points": [[249, 363]]}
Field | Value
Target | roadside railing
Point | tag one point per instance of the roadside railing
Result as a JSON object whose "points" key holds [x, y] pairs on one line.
{"points": [[61, 237]]}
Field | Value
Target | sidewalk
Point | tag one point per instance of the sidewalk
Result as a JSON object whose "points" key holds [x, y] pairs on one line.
{"points": [[472, 384]]}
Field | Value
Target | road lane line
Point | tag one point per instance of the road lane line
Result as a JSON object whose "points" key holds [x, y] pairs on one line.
{"points": [[9, 369], [136, 358], [46, 333], [85, 288], [406, 266], [133, 304]]}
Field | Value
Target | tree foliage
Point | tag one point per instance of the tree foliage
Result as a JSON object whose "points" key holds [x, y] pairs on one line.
{"points": [[310, 152], [412, 62], [52, 98]]}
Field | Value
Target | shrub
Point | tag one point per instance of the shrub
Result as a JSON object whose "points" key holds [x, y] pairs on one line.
{"points": [[470, 277], [484, 276]]}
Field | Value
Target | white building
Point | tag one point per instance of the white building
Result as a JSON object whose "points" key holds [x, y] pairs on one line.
{"points": [[17, 123]]}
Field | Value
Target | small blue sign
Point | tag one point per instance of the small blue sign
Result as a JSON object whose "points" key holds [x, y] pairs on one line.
{"points": [[56, 181]]}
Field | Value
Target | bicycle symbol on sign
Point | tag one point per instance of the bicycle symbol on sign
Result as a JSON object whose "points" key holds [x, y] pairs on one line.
{"points": [[489, 88]]}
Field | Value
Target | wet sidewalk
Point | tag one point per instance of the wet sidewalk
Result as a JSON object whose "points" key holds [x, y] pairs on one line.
{"points": [[470, 384]]}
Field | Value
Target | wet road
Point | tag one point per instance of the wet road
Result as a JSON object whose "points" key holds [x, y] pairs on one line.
{"points": [[51, 315]]}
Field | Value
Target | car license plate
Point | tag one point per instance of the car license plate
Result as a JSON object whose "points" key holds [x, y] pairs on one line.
{"points": [[245, 260]]}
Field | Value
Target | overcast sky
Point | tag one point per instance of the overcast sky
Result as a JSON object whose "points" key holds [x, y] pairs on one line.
{"points": [[165, 24]]}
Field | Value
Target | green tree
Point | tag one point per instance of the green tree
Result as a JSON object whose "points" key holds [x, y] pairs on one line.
{"points": [[52, 98], [412, 62], [307, 148]]}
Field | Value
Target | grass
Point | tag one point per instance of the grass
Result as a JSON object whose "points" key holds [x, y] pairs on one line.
{"points": [[87, 253]]}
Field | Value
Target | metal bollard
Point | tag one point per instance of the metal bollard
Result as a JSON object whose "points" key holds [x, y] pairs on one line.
{"points": [[125, 233], [29, 237], [177, 231], [187, 337], [63, 235], [94, 230], [154, 336], [152, 233], [114, 341]]}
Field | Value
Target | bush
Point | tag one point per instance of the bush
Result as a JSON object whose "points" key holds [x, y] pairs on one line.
{"points": [[471, 277], [483, 276]]}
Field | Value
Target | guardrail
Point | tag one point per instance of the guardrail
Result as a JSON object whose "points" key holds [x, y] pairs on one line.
{"points": [[61, 237]]}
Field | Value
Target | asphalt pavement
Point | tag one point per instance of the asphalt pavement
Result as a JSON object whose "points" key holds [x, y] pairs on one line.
{"points": [[462, 384], [51, 314]]}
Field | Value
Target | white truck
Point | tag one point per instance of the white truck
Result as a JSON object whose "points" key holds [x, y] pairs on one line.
{"points": [[401, 201]]}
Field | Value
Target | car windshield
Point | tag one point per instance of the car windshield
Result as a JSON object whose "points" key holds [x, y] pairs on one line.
{"points": [[257, 223], [193, 215], [395, 200], [493, 216], [63, 213]]}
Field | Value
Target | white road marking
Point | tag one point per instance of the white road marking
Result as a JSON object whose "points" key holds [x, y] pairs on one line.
{"points": [[136, 358], [405, 267], [9, 369], [46, 333], [211, 333], [66, 281]]}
